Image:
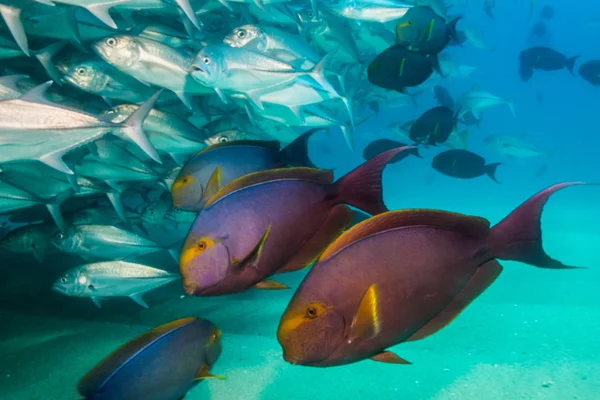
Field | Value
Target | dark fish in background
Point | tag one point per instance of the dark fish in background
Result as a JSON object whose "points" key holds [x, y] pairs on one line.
{"points": [[274, 221], [214, 167], [423, 30], [443, 97], [434, 126], [547, 13], [161, 364], [590, 71], [402, 276], [463, 164], [488, 7], [397, 68], [540, 98], [545, 59], [540, 29], [379, 146]]}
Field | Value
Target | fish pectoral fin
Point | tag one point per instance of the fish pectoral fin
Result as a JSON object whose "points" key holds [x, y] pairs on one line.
{"points": [[137, 297], [96, 301], [270, 285], [426, 35], [213, 185], [39, 255], [204, 373], [253, 258], [390, 358], [366, 323], [481, 280], [338, 219]]}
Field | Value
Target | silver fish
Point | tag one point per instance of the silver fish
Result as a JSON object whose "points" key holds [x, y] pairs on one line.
{"points": [[31, 128], [106, 242], [112, 279], [30, 239], [151, 62], [368, 10]]}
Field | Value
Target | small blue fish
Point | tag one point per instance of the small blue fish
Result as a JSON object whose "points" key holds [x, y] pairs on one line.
{"points": [[161, 364]]}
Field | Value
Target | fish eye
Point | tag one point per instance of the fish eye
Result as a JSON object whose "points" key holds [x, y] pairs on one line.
{"points": [[223, 139], [33, 246], [310, 14], [111, 41], [201, 245], [206, 60], [241, 33], [63, 279], [81, 71], [311, 312], [185, 180], [59, 236]]}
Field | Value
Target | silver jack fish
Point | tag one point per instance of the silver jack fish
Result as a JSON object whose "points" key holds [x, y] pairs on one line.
{"points": [[112, 279]]}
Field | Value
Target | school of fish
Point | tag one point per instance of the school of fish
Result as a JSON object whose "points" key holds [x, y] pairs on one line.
{"points": [[125, 123]]}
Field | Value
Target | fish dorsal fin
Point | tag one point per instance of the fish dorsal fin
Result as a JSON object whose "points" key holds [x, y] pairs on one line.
{"points": [[465, 224], [319, 176], [100, 375], [366, 323], [36, 94], [267, 144]]}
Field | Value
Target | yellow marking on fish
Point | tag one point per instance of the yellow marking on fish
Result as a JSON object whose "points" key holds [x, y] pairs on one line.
{"points": [[199, 247], [179, 183], [405, 24], [366, 323], [312, 311], [402, 67]]}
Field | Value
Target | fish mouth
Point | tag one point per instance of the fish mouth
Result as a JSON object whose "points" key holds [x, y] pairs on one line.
{"points": [[196, 69], [192, 289]]}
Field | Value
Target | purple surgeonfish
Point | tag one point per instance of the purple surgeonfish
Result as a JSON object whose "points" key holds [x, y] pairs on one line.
{"points": [[161, 364], [273, 221], [214, 167], [402, 276]]}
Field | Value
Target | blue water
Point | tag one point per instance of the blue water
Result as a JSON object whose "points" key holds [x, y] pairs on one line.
{"points": [[532, 335]]}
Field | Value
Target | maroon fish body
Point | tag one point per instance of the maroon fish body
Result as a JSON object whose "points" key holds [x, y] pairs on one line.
{"points": [[417, 270]]}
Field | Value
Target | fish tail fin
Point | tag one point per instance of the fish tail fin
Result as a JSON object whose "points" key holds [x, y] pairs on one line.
{"points": [[570, 64], [318, 74], [452, 29], [518, 237], [296, 153], [117, 203], [362, 187], [132, 127], [12, 19], [45, 56], [490, 170]]}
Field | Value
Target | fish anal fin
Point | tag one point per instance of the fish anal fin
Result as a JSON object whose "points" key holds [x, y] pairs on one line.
{"points": [[465, 224], [483, 278], [137, 297], [318, 176], [338, 219], [366, 323], [204, 373], [390, 358], [270, 285]]}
